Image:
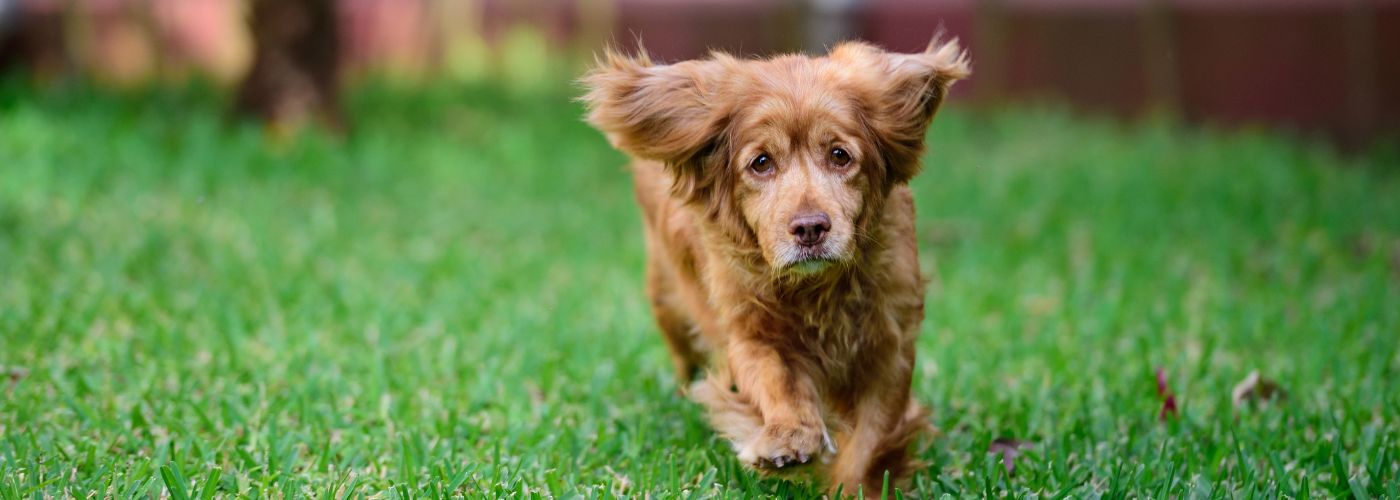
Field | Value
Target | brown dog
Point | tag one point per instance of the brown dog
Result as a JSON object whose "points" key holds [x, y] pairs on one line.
{"points": [[780, 239]]}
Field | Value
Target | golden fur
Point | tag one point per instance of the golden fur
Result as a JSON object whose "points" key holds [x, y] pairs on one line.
{"points": [[807, 341]]}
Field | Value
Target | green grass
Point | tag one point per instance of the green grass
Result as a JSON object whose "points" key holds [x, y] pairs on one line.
{"points": [[449, 302]]}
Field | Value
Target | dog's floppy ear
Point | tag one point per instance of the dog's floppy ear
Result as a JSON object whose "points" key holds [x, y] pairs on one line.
{"points": [[901, 93], [656, 112]]}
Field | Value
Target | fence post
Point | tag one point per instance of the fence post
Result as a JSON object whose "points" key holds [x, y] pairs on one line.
{"points": [[1361, 70], [992, 55], [830, 22], [1160, 66]]}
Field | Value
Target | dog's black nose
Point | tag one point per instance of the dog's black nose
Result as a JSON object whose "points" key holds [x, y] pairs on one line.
{"points": [[810, 229]]}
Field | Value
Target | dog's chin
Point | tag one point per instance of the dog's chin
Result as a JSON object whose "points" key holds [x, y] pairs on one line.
{"points": [[810, 262], [809, 267]]}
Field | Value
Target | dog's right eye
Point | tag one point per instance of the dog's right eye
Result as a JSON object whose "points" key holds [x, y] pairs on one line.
{"points": [[761, 165]]}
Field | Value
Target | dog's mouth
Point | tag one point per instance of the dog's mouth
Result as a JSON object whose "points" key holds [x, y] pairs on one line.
{"points": [[810, 266], [810, 261]]}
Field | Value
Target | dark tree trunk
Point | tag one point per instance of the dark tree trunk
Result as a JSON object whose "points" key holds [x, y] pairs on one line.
{"points": [[31, 40], [296, 65]]}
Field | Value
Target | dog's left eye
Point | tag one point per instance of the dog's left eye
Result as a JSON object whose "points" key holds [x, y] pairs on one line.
{"points": [[762, 164], [840, 157]]}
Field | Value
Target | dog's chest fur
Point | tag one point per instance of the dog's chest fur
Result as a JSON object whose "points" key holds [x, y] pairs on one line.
{"points": [[841, 328]]}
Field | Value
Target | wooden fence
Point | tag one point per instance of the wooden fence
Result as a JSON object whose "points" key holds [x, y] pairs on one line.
{"points": [[1316, 66]]}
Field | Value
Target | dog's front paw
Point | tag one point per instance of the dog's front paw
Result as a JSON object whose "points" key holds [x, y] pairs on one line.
{"points": [[786, 444]]}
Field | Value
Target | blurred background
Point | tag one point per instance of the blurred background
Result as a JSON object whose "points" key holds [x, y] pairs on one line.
{"points": [[1133, 209], [1319, 67]]}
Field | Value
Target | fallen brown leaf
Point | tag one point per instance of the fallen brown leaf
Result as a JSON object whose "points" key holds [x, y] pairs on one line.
{"points": [[13, 374], [1009, 449], [1169, 408], [1256, 388]]}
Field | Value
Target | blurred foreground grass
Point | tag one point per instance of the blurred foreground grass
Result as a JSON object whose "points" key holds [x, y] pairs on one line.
{"points": [[449, 301]]}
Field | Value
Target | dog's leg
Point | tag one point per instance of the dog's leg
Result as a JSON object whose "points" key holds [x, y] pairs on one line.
{"points": [[852, 470], [732, 414], [884, 428], [676, 327], [793, 430]]}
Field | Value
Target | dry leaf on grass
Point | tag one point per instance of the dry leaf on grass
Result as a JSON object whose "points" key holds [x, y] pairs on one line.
{"points": [[1255, 388], [1009, 449], [1169, 408], [13, 374]]}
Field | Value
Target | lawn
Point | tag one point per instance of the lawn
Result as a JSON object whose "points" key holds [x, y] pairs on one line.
{"points": [[448, 301]]}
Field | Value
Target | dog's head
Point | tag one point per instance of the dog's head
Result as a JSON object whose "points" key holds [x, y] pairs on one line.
{"points": [[793, 154]]}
